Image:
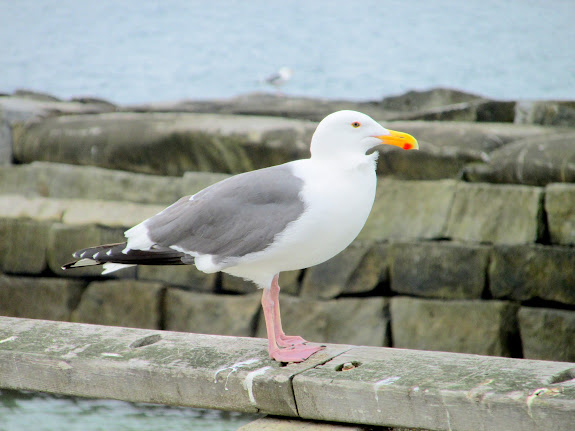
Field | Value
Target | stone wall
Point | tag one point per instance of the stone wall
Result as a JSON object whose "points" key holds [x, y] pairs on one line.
{"points": [[469, 247]]}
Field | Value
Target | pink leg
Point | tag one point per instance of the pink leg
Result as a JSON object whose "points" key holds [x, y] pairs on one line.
{"points": [[282, 339], [297, 353]]}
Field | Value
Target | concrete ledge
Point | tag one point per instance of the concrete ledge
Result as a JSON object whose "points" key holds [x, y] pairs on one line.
{"points": [[362, 385]]}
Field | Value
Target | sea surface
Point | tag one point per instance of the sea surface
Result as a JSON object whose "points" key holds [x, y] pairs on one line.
{"points": [[26, 411], [134, 51]]}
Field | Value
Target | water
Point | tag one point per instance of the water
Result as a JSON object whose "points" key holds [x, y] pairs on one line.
{"points": [[133, 51], [21, 411]]}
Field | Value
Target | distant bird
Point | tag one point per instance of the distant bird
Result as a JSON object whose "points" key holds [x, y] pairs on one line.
{"points": [[280, 78], [257, 224]]}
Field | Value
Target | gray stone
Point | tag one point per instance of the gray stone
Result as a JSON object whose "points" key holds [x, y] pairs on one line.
{"points": [[270, 423], [65, 239], [547, 333], [212, 314], [527, 272], [345, 273], [362, 321], [288, 281], [122, 215], [535, 161], [414, 101], [34, 208], [560, 210], [39, 298], [479, 327], [500, 214], [5, 141], [185, 276], [23, 245], [164, 143], [476, 110], [556, 113], [409, 210], [439, 270], [130, 303]]}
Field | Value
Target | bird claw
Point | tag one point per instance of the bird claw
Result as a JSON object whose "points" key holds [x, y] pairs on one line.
{"points": [[289, 340], [297, 353]]}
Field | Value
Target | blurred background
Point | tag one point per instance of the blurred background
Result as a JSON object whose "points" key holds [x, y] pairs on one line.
{"points": [[134, 51]]}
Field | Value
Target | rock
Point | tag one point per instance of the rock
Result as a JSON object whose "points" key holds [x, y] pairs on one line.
{"points": [[535, 161], [211, 314], [500, 214], [560, 211], [23, 245], [185, 276], [121, 215], [130, 303], [535, 271], [5, 142], [357, 269], [20, 109], [38, 209], [547, 334], [406, 210], [39, 298], [63, 240], [556, 113], [164, 143], [289, 283], [414, 101], [36, 95], [362, 321], [479, 327], [443, 270], [57, 180], [269, 423], [477, 110]]}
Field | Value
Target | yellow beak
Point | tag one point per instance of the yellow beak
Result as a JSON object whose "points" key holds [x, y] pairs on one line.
{"points": [[399, 139]]}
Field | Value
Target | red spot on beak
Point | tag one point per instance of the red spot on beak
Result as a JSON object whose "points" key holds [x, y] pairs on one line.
{"points": [[407, 146]]}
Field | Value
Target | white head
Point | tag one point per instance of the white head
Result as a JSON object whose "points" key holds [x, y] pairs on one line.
{"points": [[353, 133]]}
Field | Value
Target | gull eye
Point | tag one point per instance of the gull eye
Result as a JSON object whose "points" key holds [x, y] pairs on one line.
{"points": [[355, 124]]}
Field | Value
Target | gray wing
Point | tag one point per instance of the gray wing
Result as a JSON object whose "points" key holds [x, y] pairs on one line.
{"points": [[232, 218]]}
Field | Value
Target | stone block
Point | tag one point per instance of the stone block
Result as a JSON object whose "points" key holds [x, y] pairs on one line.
{"points": [[211, 314], [547, 334], [357, 269], [130, 303], [269, 423], [560, 210], [163, 143], [535, 161], [38, 297], [108, 213], [289, 283], [35, 208], [500, 214], [522, 273], [184, 276], [479, 327], [439, 270], [63, 240], [359, 321], [23, 245], [406, 210]]}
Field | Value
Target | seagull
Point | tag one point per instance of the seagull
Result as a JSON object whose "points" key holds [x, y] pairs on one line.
{"points": [[281, 77], [257, 224]]}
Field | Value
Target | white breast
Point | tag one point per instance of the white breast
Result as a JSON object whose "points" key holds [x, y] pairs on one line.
{"points": [[338, 201]]}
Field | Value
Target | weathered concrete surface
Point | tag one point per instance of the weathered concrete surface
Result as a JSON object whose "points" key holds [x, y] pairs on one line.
{"points": [[276, 423], [362, 385], [439, 269], [535, 161], [409, 210], [211, 314], [164, 143], [560, 211], [547, 333], [363, 321], [39, 297], [141, 365], [129, 303], [500, 214], [357, 269], [23, 245], [438, 391], [534, 271], [466, 326]]}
